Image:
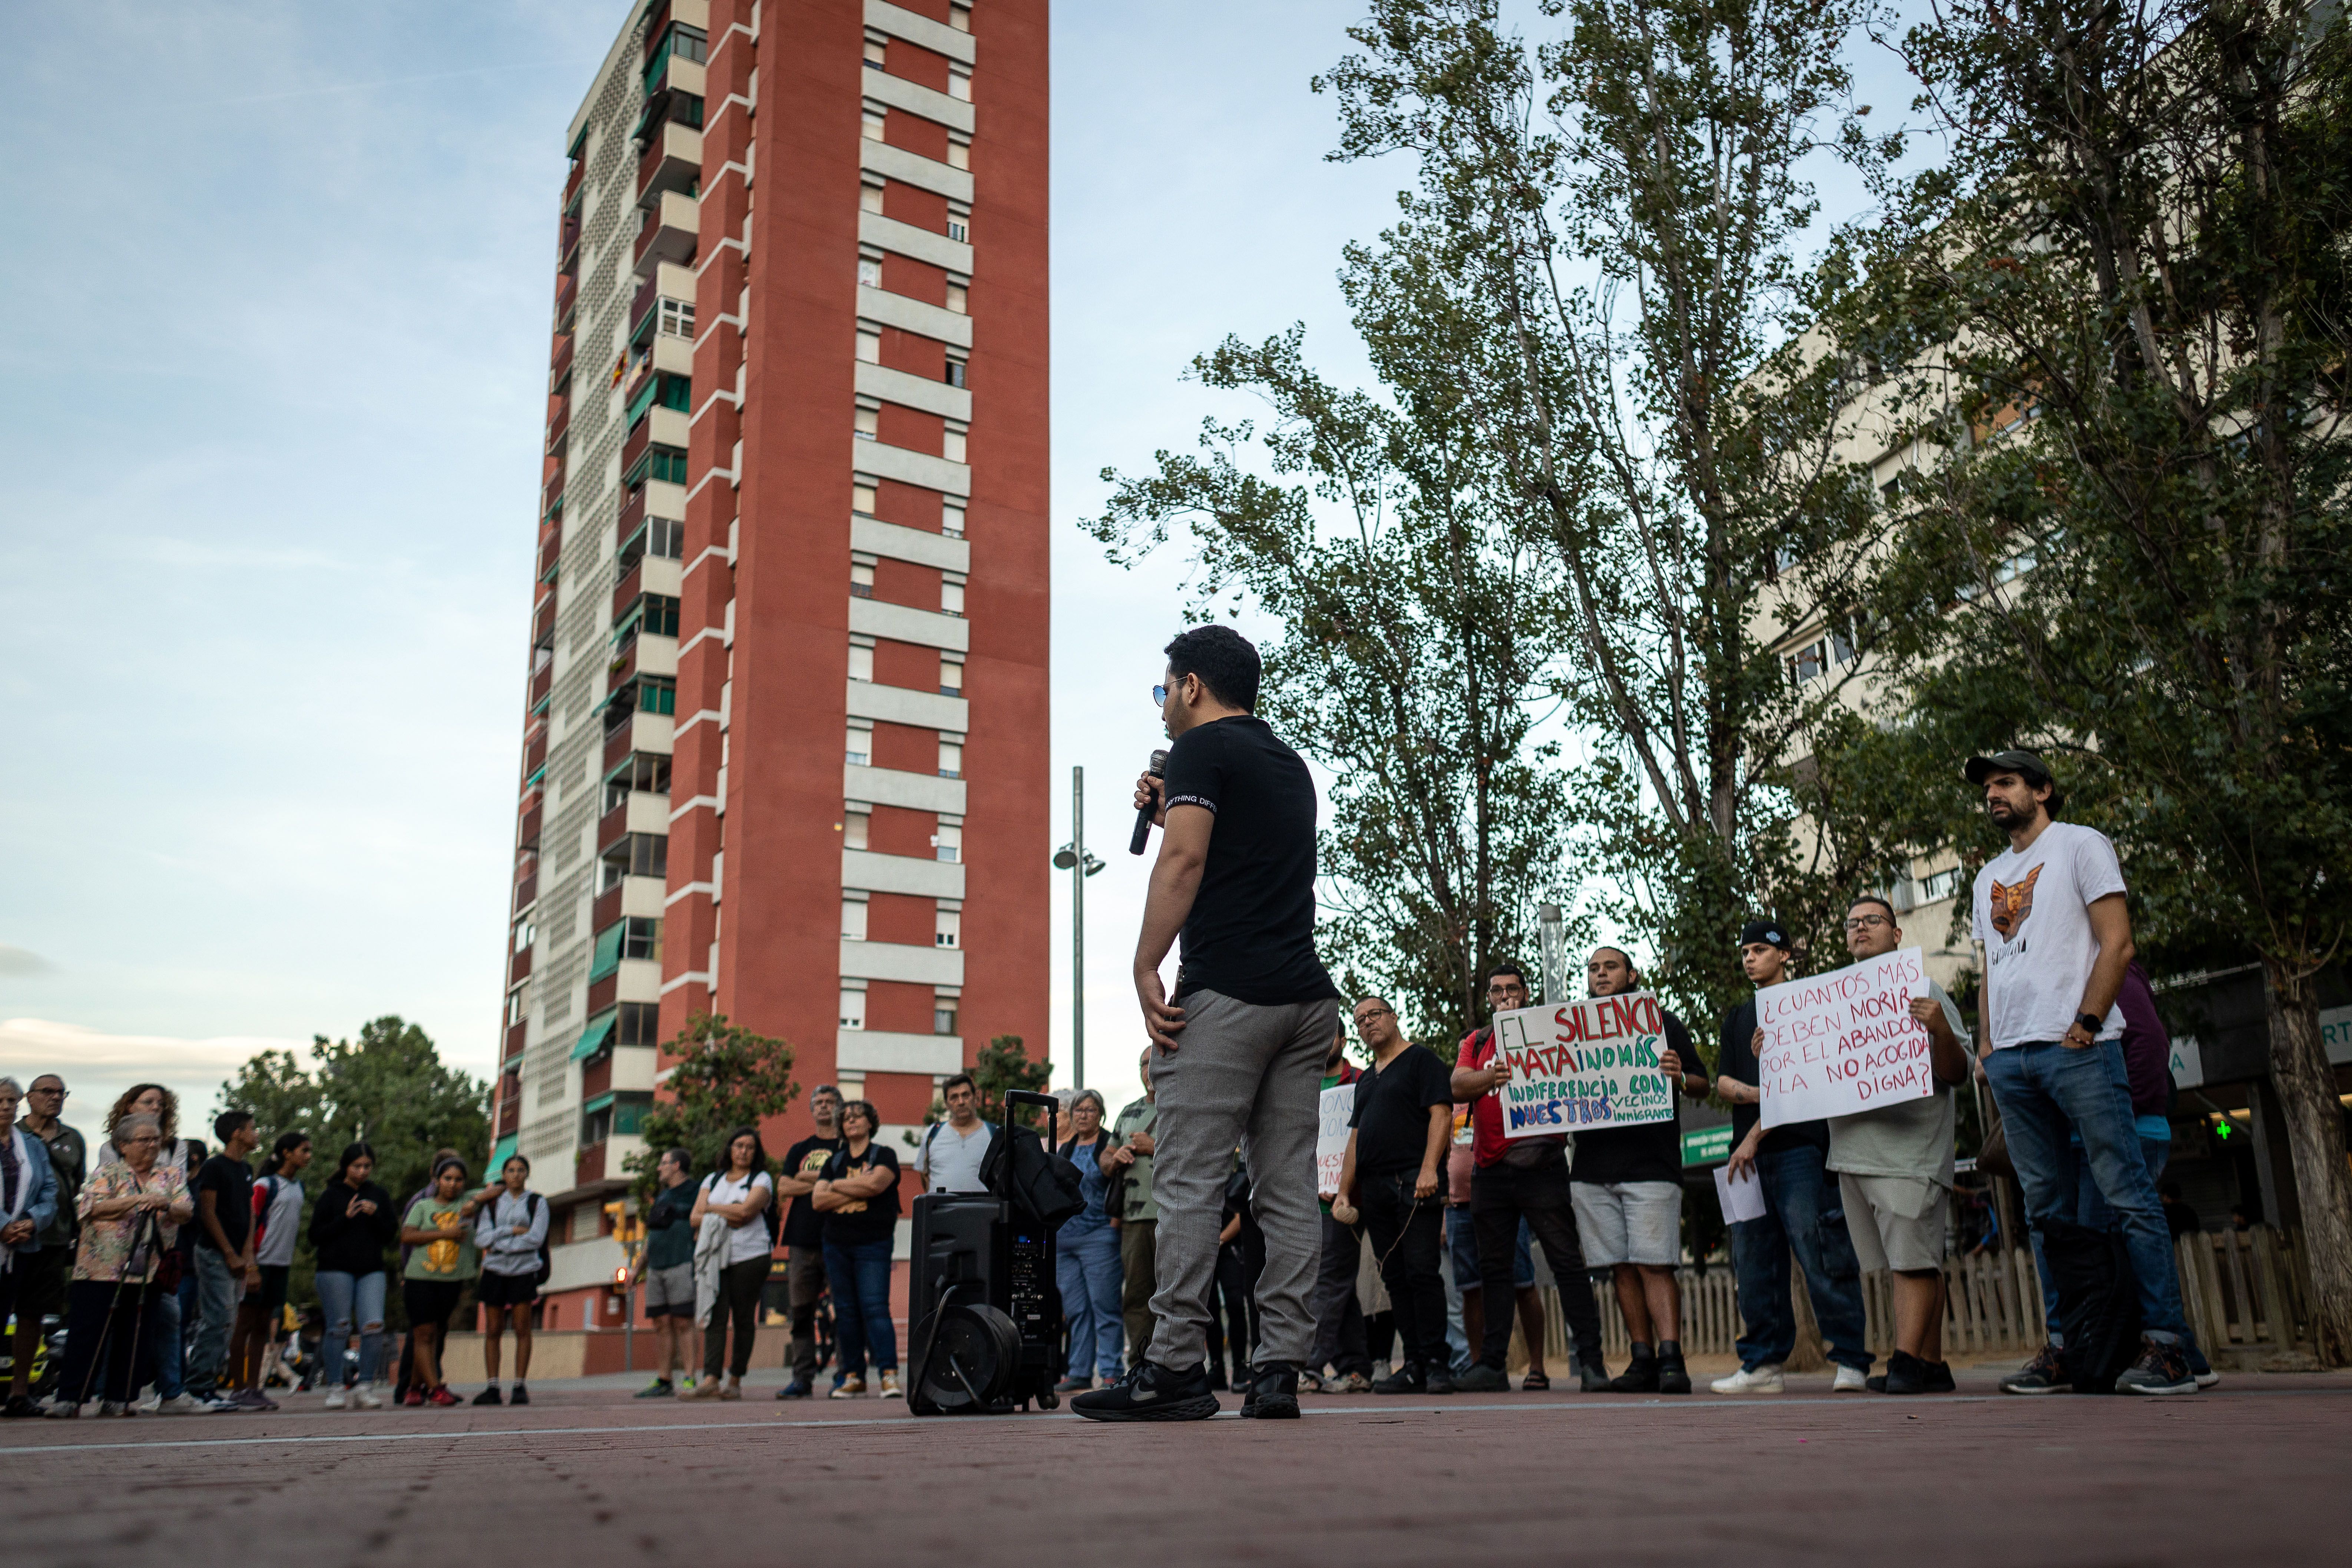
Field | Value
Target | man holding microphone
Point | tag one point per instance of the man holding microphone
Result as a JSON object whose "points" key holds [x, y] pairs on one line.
{"points": [[1238, 1049]]}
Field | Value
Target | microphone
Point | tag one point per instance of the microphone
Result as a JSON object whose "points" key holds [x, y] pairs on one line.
{"points": [[1142, 835]]}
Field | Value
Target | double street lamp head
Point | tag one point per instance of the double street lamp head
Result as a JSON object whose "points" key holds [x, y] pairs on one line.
{"points": [[1066, 858]]}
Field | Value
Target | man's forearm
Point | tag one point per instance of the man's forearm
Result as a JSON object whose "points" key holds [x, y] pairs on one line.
{"points": [[1441, 1133], [2116, 949]]}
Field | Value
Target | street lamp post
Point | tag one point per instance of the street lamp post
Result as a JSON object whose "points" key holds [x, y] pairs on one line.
{"points": [[1073, 858]]}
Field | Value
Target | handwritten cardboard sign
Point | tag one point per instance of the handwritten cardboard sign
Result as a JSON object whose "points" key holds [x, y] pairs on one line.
{"points": [[1592, 1063], [1845, 1041], [1331, 1137]]}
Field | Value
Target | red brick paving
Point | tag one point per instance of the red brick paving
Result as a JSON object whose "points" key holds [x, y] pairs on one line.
{"points": [[2254, 1472]]}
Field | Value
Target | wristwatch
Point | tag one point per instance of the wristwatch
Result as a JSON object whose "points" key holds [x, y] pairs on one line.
{"points": [[2091, 1023]]}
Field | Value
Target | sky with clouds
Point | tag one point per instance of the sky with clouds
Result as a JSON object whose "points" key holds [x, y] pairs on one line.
{"points": [[277, 386]]}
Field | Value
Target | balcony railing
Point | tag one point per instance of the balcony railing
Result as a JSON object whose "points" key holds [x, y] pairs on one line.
{"points": [[588, 1165], [601, 994], [633, 514], [534, 751], [559, 418], [635, 447], [520, 970], [607, 907], [559, 364], [526, 892], [542, 621], [573, 181], [632, 583], [551, 552], [567, 290], [641, 302], [611, 826], [527, 835]]}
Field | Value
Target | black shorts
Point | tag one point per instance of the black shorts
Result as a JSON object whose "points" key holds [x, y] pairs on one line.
{"points": [[506, 1290], [429, 1301], [273, 1293], [41, 1282]]}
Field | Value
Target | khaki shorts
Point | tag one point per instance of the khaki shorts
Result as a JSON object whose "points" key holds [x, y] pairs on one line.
{"points": [[669, 1292], [1896, 1222], [1629, 1222]]}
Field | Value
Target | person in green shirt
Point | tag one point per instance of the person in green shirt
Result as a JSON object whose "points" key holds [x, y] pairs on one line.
{"points": [[1137, 1216], [439, 1227], [665, 1269]]}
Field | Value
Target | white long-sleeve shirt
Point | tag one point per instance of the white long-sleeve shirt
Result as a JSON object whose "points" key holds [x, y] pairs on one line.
{"points": [[504, 1252]]}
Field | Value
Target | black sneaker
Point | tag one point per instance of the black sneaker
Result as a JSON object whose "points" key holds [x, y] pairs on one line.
{"points": [[1273, 1393], [2161, 1369], [1674, 1376], [491, 1395], [1152, 1393], [1440, 1381], [520, 1395], [1905, 1374], [797, 1389], [1592, 1374], [2045, 1374], [1217, 1380], [21, 1408], [1641, 1377], [1406, 1379], [1483, 1379], [1939, 1378]]}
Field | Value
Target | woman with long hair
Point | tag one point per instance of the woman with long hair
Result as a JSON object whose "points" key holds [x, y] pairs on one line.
{"points": [[276, 1219], [439, 1229], [743, 1194], [1086, 1264], [858, 1195], [130, 1209], [350, 1229]]}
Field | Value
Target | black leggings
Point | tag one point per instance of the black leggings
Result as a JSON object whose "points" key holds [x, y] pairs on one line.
{"points": [[738, 1298]]}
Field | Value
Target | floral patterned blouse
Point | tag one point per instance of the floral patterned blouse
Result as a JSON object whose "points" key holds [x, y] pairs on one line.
{"points": [[106, 1243]]}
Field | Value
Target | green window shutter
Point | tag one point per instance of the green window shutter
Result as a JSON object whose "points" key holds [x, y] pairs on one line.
{"points": [[641, 401], [608, 950], [600, 1027]]}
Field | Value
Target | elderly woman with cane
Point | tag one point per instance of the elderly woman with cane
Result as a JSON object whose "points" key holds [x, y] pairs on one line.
{"points": [[131, 1209]]}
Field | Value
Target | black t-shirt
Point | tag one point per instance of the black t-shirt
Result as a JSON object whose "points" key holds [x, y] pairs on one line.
{"points": [[1647, 1151], [1392, 1114], [806, 1162], [1736, 1058], [1251, 934], [865, 1219], [231, 1183]]}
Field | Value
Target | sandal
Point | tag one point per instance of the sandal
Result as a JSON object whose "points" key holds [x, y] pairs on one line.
{"points": [[1534, 1382]]}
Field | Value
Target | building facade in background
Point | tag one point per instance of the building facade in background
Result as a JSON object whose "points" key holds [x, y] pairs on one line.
{"points": [[786, 750]]}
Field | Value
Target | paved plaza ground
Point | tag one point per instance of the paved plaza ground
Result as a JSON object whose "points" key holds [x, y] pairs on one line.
{"points": [[2257, 1471]]}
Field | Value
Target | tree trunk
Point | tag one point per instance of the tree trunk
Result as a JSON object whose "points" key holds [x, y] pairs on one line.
{"points": [[2305, 1083]]}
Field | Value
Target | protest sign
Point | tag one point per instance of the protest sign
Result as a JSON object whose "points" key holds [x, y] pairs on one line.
{"points": [[1742, 1199], [1592, 1063], [1845, 1041], [1331, 1137]]}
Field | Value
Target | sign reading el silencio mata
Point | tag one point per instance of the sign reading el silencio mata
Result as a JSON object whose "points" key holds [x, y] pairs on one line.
{"points": [[1592, 1063], [1841, 1042]]}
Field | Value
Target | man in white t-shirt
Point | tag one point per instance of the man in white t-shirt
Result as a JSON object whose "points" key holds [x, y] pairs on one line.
{"points": [[2057, 938], [949, 1158]]}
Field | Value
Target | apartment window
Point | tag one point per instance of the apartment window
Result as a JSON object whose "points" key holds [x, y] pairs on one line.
{"points": [[959, 228], [958, 371], [678, 319], [950, 675], [666, 464], [947, 929], [853, 1009], [958, 151], [1939, 887], [664, 538], [959, 299], [637, 854], [861, 745], [660, 617], [951, 518], [943, 1015], [869, 422], [871, 123], [960, 18], [526, 933], [947, 844], [640, 1023], [960, 82], [518, 1002], [1808, 662], [856, 825], [870, 272], [861, 579], [643, 771], [861, 495], [951, 758], [869, 344], [951, 594], [861, 661], [869, 198], [876, 53], [853, 917], [952, 447]]}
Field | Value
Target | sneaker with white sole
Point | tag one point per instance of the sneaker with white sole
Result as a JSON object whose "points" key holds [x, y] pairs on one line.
{"points": [[2045, 1374], [335, 1397], [2160, 1369], [1764, 1379], [890, 1389], [365, 1397], [178, 1405], [1851, 1380]]}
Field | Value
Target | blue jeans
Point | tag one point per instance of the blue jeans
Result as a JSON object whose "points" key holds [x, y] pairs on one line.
{"points": [[1086, 1267], [170, 1347], [345, 1300], [859, 1273], [2046, 1092], [1803, 1212], [217, 1289]]}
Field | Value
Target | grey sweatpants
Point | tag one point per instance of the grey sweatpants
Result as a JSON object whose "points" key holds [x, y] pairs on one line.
{"points": [[1248, 1076]]}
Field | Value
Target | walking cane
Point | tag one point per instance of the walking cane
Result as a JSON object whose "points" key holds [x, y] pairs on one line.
{"points": [[106, 1330]]}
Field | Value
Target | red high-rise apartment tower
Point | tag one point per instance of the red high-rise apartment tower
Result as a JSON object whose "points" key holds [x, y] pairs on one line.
{"points": [[786, 752]]}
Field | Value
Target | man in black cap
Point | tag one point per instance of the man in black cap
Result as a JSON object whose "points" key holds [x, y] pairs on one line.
{"points": [[1803, 1212]]}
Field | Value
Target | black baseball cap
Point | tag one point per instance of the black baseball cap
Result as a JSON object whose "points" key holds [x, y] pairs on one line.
{"points": [[1771, 931], [2024, 765]]}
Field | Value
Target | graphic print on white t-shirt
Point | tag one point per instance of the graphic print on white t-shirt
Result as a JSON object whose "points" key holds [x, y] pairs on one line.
{"points": [[2033, 915]]}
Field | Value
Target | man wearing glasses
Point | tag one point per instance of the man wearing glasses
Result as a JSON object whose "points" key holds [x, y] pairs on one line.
{"points": [[1894, 1164], [41, 1284], [1238, 1049]]}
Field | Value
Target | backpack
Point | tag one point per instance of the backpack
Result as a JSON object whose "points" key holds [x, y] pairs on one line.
{"points": [[2099, 1302]]}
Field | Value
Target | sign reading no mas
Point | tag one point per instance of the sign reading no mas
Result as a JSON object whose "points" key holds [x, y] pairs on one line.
{"points": [[1592, 1063], [1841, 1042]]}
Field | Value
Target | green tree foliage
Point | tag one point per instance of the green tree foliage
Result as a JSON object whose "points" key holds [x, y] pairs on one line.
{"points": [[1003, 1065], [388, 1087], [723, 1078], [1606, 230], [2121, 310], [1415, 639]]}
